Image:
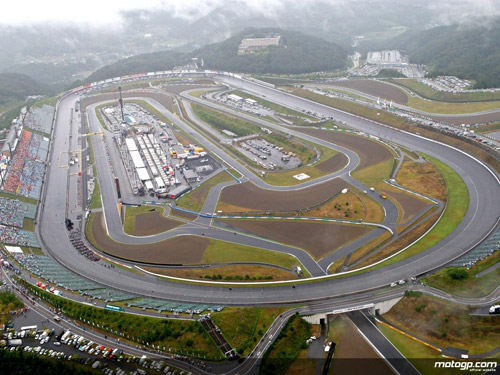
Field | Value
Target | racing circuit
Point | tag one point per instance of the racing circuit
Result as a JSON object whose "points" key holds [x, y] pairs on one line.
{"points": [[59, 193]]}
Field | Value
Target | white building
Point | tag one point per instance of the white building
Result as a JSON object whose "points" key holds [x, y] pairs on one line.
{"points": [[386, 57], [249, 45]]}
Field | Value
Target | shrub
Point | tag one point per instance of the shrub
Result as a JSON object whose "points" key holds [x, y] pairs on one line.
{"points": [[457, 273]]}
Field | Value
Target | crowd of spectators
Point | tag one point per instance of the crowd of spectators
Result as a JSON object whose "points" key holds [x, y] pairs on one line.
{"points": [[25, 172], [13, 212], [17, 237], [31, 179]]}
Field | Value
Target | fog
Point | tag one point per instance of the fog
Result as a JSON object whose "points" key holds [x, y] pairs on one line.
{"points": [[112, 14]]}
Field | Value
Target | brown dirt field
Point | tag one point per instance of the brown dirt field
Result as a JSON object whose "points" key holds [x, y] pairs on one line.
{"points": [[333, 164], [178, 250], [353, 355], [317, 238], [229, 271], [376, 88], [337, 208], [250, 196], [369, 151], [409, 204], [153, 223], [423, 178]]}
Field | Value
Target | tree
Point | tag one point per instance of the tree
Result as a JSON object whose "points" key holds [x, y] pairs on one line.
{"points": [[458, 273]]}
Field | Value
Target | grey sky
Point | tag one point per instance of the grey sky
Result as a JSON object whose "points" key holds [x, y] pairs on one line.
{"points": [[109, 12]]}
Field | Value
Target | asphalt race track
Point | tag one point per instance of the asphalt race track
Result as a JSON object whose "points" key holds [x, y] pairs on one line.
{"points": [[481, 217]]}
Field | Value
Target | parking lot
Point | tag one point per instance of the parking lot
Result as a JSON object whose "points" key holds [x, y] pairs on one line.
{"points": [[268, 155]]}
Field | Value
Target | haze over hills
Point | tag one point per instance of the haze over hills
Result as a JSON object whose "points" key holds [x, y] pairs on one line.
{"points": [[88, 40]]}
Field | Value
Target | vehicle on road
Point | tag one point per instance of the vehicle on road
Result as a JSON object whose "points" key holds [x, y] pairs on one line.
{"points": [[495, 309]]}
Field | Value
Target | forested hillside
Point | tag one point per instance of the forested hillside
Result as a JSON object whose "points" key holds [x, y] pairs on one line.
{"points": [[138, 64], [471, 52], [299, 53], [15, 87]]}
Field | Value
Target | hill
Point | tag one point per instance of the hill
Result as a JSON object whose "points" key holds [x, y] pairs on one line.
{"points": [[146, 62], [15, 87], [298, 53], [470, 52]]}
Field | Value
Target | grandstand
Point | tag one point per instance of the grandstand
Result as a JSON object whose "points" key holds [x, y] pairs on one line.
{"points": [[109, 295], [485, 249], [13, 212], [40, 119], [25, 171], [154, 304], [54, 273], [18, 237]]}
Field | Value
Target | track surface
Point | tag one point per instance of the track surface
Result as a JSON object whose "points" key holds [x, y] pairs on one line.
{"points": [[479, 220]]}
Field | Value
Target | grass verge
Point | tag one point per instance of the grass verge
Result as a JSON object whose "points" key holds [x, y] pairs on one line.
{"points": [[235, 272], [227, 252], [470, 285], [29, 224], [96, 195], [445, 324], [417, 353], [222, 121]]}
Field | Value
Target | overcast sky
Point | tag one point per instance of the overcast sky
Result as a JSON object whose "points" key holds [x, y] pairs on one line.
{"points": [[109, 12]]}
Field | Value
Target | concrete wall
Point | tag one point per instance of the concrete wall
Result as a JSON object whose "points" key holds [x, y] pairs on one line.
{"points": [[315, 319], [385, 306]]}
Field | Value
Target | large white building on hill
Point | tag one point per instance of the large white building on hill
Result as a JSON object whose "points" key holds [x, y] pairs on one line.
{"points": [[386, 57], [249, 45]]}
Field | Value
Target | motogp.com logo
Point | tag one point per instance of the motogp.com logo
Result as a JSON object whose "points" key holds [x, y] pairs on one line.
{"points": [[466, 365]]}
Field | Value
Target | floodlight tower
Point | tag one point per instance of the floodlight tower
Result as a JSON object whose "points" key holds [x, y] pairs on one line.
{"points": [[121, 103]]}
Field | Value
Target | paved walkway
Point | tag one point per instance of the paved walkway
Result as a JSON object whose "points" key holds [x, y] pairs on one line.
{"points": [[488, 270]]}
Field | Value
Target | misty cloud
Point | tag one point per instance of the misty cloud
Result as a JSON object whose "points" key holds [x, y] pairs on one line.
{"points": [[112, 13]]}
